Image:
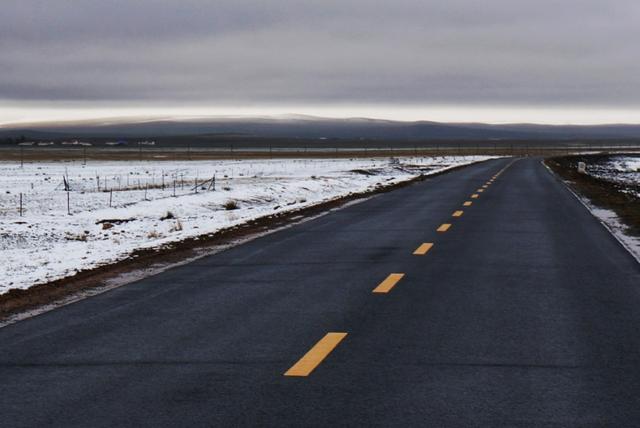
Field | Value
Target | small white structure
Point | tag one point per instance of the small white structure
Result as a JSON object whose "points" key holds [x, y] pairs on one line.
{"points": [[582, 168]]}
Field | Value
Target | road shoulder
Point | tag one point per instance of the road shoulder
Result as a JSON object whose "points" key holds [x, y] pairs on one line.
{"points": [[617, 210]]}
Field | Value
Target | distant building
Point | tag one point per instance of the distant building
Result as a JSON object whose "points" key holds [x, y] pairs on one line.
{"points": [[117, 143]]}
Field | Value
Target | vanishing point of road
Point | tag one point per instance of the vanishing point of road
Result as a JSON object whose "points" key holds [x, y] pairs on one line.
{"points": [[487, 296]]}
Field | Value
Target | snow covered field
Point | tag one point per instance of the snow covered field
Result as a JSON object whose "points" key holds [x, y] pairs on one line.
{"points": [[622, 169], [114, 208]]}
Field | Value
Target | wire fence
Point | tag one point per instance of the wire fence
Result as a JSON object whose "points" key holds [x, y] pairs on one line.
{"points": [[33, 152]]}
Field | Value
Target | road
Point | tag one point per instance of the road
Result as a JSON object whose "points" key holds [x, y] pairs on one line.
{"points": [[525, 311]]}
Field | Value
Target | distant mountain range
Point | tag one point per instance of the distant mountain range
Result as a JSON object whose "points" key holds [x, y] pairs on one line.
{"points": [[307, 127]]}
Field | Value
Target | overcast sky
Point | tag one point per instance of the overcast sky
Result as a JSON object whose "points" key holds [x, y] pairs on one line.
{"points": [[399, 59]]}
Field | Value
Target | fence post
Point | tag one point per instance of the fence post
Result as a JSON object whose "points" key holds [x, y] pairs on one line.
{"points": [[110, 197], [20, 204], [68, 203]]}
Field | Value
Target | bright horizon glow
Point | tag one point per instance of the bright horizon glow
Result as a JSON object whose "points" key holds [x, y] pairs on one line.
{"points": [[15, 114]]}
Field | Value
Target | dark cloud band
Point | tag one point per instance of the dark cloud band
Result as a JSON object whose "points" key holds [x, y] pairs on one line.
{"points": [[573, 52]]}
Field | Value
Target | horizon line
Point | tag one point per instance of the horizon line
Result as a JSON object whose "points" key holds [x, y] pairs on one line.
{"points": [[38, 116]]}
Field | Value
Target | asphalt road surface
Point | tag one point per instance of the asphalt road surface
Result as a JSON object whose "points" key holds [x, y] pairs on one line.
{"points": [[525, 311]]}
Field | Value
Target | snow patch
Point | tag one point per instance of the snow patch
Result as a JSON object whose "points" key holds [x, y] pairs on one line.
{"points": [[613, 223]]}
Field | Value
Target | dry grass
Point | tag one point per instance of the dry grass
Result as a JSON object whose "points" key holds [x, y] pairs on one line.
{"points": [[168, 216], [231, 205], [77, 237], [154, 234], [96, 153], [600, 192], [177, 227]]}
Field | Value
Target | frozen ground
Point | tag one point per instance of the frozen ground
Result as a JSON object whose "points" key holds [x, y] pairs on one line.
{"points": [[115, 208], [622, 169], [613, 223]]}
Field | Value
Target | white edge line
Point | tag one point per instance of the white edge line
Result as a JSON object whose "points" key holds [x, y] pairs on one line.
{"points": [[603, 223]]}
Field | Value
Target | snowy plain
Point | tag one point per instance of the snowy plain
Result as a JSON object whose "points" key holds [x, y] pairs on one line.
{"points": [[625, 171], [114, 208], [622, 169]]}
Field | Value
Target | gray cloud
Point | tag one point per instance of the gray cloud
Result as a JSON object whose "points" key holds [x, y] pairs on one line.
{"points": [[578, 52]]}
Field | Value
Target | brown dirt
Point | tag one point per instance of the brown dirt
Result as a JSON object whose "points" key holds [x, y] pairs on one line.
{"points": [[17, 301], [600, 192], [37, 154]]}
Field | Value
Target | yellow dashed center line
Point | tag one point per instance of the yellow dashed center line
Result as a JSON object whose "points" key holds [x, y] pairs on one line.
{"points": [[390, 282], [444, 227], [422, 249], [316, 355], [330, 341]]}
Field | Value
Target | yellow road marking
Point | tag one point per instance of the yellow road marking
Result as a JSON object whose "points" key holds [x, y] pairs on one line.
{"points": [[485, 186], [474, 196], [422, 249], [444, 227], [480, 190], [467, 203], [390, 282], [316, 355], [457, 214]]}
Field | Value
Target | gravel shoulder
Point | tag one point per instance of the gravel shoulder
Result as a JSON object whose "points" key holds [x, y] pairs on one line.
{"points": [[610, 188]]}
